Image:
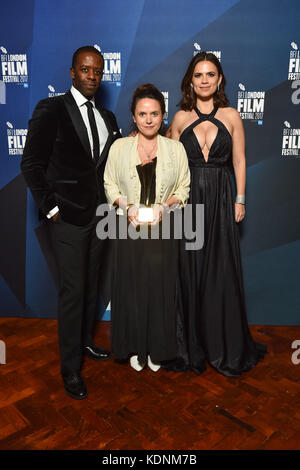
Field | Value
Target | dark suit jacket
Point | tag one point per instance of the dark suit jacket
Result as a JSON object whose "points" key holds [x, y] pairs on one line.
{"points": [[57, 162]]}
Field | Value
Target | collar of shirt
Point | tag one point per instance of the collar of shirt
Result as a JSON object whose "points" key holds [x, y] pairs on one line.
{"points": [[101, 126], [79, 98]]}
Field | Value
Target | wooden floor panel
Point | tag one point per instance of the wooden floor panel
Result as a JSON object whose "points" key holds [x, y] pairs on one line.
{"points": [[145, 410]]}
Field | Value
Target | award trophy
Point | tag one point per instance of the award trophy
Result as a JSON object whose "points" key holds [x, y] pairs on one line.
{"points": [[147, 179]]}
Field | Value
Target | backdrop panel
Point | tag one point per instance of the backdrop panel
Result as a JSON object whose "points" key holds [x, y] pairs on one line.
{"points": [[153, 41]]}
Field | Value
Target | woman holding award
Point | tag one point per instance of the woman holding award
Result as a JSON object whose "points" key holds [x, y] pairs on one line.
{"points": [[144, 176]]}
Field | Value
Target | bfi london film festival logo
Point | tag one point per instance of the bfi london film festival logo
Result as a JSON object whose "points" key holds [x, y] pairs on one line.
{"points": [[16, 139], [14, 68], [197, 48], [2, 352], [290, 141], [251, 104], [294, 63], [52, 92], [112, 66]]}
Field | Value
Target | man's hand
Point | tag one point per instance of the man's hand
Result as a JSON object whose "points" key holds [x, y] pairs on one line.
{"points": [[169, 132], [54, 217], [133, 133]]}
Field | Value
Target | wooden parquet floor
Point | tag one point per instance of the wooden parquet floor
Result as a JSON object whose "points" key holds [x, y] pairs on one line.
{"points": [[145, 410]]}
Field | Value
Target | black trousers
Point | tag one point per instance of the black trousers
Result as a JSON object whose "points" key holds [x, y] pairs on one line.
{"points": [[79, 255]]}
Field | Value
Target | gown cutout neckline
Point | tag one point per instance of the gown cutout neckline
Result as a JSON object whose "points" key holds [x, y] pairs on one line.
{"points": [[206, 117], [202, 117]]}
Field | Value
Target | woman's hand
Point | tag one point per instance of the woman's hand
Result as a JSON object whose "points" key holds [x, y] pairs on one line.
{"points": [[158, 210], [239, 212], [132, 215]]}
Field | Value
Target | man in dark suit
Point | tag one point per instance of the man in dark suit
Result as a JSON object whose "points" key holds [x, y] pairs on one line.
{"points": [[63, 164]]}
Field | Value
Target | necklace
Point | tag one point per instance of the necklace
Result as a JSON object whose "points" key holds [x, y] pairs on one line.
{"points": [[148, 155]]}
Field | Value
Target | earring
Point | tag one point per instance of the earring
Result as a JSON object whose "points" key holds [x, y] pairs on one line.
{"points": [[218, 87], [192, 86]]}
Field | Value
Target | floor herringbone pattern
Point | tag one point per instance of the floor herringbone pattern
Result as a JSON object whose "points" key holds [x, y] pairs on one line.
{"points": [[146, 410]]}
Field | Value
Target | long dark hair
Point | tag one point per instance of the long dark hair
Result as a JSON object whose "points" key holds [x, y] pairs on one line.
{"points": [[189, 97]]}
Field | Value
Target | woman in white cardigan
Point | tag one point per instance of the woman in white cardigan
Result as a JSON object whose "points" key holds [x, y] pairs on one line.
{"points": [[145, 170]]}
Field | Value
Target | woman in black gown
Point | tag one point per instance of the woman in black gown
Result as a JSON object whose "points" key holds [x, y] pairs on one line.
{"points": [[212, 323], [147, 169]]}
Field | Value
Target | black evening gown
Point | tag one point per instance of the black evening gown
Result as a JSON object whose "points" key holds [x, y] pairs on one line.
{"points": [[212, 323], [143, 311]]}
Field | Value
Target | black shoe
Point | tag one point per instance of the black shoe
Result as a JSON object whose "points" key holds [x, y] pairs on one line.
{"points": [[74, 386], [96, 353]]}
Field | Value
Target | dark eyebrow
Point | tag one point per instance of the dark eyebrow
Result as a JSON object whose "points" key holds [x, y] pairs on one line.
{"points": [[210, 71], [89, 66]]}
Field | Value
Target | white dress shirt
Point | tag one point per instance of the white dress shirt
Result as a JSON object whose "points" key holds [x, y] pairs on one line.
{"points": [[101, 127]]}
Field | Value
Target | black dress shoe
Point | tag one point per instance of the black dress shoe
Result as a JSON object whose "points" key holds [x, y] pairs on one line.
{"points": [[96, 353], [74, 386]]}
